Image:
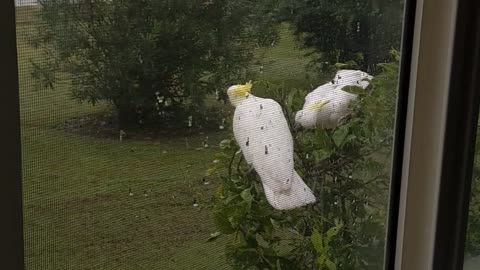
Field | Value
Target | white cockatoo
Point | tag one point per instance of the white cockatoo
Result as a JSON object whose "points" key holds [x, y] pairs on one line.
{"points": [[262, 132], [347, 77], [327, 105]]}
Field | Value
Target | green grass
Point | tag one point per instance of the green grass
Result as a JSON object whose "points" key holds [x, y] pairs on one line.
{"points": [[78, 210], [286, 63]]}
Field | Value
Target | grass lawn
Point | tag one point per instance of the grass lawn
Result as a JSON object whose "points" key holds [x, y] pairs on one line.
{"points": [[79, 213]]}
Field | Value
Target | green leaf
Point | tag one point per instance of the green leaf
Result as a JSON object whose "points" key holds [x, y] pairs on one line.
{"points": [[290, 97], [321, 155], [229, 199], [321, 260], [330, 265], [317, 241], [221, 221], [339, 136], [332, 232], [246, 195], [275, 224]]}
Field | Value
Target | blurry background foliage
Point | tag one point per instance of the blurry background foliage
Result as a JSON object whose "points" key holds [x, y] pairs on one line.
{"points": [[155, 61], [360, 32]]}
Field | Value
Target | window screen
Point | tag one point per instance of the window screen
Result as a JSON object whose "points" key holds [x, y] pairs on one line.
{"points": [[207, 134]]}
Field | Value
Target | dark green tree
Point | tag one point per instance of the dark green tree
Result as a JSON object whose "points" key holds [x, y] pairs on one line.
{"points": [[150, 59], [347, 30]]}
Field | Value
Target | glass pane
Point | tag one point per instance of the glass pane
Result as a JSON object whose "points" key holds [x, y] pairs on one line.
{"points": [[472, 247], [207, 134]]}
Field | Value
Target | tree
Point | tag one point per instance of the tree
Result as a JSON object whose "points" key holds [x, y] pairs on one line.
{"points": [[150, 59], [362, 32], [347, 168]]}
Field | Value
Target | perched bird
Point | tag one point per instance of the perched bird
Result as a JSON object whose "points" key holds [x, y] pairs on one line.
{"points": [[324, 107], [262, 132], [348, 77], [328, 104]]}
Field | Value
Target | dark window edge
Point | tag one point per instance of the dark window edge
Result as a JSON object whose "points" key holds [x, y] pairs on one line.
{"points": [[400, 129]]}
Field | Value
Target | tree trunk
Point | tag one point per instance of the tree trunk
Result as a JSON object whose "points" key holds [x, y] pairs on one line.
{"points": [[127, 117]]}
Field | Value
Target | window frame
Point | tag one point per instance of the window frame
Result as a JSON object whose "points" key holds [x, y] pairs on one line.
{"points": [[460, 138], [409, 14], [426, 112], [440, 136]]}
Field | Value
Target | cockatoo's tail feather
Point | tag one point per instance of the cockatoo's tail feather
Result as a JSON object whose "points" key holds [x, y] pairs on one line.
{"points": [[299, 195]]}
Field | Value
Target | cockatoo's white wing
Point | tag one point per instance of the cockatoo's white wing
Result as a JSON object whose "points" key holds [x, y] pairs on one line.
{"points": [[320, 93], [262, 132], [318, 108], [325, 106], [243, 132]]}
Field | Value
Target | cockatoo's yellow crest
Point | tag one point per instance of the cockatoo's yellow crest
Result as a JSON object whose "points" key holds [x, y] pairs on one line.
{"points": [[243, 90], [318, 105]]}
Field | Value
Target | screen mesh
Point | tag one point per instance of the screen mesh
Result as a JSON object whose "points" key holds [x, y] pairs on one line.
{"points": [[212, 134]]}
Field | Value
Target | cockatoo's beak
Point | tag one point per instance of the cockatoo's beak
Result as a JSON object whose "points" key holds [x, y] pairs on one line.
{"points": [[243, 90]]}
